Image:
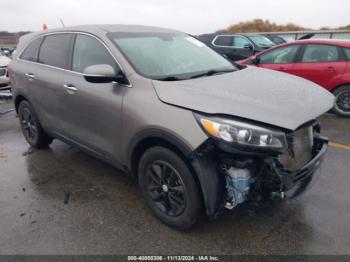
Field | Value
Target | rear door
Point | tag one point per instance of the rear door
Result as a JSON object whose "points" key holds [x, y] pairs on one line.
{"points": [[280, 59], [54, 60], [322, 64], [40, 70], [92, 111], [20, 67]]}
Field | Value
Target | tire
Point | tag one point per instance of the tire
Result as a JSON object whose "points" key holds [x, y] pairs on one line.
{"points": [[169, 188], [31, 127], [342, 104]]}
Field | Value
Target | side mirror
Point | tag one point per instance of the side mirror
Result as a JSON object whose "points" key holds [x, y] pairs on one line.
{"points": [[248, 46], [103, 73]]}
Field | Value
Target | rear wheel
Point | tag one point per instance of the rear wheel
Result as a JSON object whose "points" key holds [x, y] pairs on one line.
{"points": [[31, 128], [342, 103], [169, 187]]}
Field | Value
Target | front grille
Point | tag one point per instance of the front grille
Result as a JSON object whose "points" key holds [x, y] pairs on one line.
{"points": [[300, 143], [3, 71]]}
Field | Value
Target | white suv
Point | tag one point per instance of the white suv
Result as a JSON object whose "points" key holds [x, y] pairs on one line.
{"points": [[4, 78]]}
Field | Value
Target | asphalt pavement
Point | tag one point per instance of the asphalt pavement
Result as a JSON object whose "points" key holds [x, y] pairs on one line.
{"points": [[62, 201]]}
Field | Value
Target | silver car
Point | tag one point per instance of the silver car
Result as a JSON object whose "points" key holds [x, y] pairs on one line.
{"points": [[198, 132]]}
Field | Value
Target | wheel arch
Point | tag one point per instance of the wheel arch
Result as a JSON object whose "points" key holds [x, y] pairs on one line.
{"points": [[332, 90], [18, 99], [154, 137]]}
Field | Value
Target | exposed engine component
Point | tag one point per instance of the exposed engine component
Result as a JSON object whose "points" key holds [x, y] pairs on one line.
{"points": [[238, 183]]}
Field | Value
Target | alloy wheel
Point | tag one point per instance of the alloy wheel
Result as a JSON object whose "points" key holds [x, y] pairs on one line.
{"points": [[343, 101], [165, 188], [29, 126]]}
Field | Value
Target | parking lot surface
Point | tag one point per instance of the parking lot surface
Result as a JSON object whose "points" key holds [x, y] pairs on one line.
{"points": [[61, 201]]}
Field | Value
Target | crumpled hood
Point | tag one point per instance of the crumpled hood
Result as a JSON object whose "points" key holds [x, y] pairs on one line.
{"points": [[257, 94]]}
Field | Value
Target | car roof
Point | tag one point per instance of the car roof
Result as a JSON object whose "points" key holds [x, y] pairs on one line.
{"points": [[229, 34], [95, 30], [111, 28], [337, 42]]}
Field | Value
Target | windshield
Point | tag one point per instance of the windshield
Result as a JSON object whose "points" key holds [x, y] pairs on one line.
{"points": [[169, 56], [261, 41]]}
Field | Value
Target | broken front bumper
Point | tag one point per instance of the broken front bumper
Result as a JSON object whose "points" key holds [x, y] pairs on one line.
{"points": [[268, 175], [296, 182]]}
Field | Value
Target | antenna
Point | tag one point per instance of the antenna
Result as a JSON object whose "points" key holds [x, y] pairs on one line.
{"points": [[62, 22]]}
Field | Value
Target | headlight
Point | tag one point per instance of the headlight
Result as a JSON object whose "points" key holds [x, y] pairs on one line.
{"points": [[242, 133]]}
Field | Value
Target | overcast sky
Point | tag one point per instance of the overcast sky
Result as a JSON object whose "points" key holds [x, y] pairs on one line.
{"points": [[191, 16]]}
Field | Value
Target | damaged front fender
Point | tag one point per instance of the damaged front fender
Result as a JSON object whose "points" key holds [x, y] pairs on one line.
{"points": [[230, 178], [211, 182]]}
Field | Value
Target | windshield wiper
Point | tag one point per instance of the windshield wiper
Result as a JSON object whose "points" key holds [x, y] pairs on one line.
{"points": [[213, 72], [169, 78], [208, 73]]}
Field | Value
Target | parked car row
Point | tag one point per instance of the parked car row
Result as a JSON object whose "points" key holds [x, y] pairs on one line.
{"points": [[199, 133], [325, 62], [237, 46], [7, 51]]}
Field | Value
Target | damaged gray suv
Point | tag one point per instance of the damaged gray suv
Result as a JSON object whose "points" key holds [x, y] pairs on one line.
{"points": [[198, 132]]}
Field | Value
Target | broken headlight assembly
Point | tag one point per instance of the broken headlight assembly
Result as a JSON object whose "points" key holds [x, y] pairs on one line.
{"points": [[242, 133]]}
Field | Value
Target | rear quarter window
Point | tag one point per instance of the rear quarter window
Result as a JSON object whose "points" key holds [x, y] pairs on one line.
{"points": [[31, 52], [223, 40], [55, 50]]}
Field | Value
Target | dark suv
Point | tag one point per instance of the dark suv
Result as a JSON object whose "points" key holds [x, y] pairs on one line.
{"points": [[236, 46]]}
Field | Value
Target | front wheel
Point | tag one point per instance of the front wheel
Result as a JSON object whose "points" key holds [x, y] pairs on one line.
{"points": [[342, 103], [169, 187]]}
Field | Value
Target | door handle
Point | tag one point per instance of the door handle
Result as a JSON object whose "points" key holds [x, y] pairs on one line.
{"points": [[282, 69], [30, 75], [70, 88], [331, 69]]}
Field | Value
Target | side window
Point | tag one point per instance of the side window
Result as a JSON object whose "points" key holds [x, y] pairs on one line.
{"points": [[240, 42], [277, 40], [55, 50], [32, 50], [223, 40], [283, 55], [347, 53], [320, 53], [89, 51]]}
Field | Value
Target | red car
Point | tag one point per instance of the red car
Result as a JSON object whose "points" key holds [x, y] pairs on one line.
{"points": [[325, 62]]}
